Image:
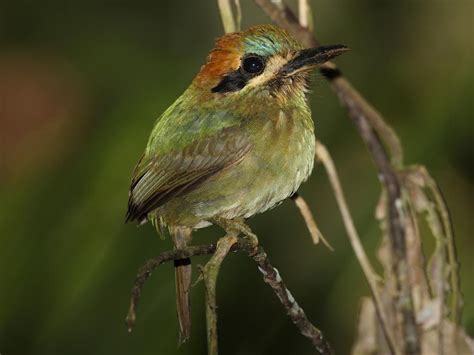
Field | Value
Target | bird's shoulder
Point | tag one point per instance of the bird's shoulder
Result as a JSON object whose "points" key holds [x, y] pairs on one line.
{"points": [[186, 121]]}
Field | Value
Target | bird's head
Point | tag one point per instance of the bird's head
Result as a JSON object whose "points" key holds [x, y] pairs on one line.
{"points": [[263, 59]]}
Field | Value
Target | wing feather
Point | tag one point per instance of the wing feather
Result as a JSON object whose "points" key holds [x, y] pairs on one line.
{"points": [[161, 177]]}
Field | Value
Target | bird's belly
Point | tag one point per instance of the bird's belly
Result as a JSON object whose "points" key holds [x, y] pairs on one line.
{"points": [[260, 181], [269, 187], [280, 175]]}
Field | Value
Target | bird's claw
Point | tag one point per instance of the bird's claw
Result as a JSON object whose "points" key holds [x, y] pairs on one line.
{"points": [[236, 227]]}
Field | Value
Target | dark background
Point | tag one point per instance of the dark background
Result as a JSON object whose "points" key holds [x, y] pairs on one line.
{"points": [[81, 84]]}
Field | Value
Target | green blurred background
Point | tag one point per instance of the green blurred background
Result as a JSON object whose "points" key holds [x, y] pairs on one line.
{"points": [[81, 84]]}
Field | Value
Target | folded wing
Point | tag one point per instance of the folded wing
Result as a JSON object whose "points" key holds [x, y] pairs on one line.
{"points": [[159, 176]]}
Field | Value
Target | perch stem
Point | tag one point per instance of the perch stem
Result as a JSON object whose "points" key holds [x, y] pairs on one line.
{"points": [[210, 273], [227, 16], [371, 276], [309, 220], [270, 276]]}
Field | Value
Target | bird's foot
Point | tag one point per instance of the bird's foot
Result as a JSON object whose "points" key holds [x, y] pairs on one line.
{"points": [[236, 227]]}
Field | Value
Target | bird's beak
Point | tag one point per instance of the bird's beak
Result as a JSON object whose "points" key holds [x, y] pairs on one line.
{"points": [[308, 58]]}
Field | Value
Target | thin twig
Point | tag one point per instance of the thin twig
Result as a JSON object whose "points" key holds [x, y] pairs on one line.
{"points": [[145, 272], [304, 12], [371, 276], [369, 125], [225, 8], [309, 220], [271, 277], [389, 179], [210, 273], [304, 17], [238, 15]]}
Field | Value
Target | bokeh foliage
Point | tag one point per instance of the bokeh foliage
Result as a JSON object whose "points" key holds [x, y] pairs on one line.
{"points": [[80, 86]]}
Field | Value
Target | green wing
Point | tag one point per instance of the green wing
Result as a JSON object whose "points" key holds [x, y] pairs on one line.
{"points": [[181, 154]]}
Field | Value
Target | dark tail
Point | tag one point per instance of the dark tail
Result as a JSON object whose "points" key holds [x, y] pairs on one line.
{"points": [[181, 236]]}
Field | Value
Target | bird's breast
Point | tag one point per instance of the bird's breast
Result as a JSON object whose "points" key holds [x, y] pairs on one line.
{"points": [[282, 158]]}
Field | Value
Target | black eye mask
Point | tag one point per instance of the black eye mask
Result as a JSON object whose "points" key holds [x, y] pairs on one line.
{"points": [[251, 66], [234, 81]]}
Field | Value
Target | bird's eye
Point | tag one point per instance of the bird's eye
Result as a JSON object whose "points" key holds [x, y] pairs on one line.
{"points": [[253, 64]]}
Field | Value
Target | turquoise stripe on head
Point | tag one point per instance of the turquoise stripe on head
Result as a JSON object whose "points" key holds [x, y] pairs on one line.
{"points": [[267, 40]]}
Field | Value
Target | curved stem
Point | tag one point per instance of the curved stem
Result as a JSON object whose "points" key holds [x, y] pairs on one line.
{"points": [[271, 276], [210, 273]]}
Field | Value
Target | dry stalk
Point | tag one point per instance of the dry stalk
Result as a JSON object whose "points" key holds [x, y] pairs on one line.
{"points": [[304, 14], [227, 16], [371, 276], [209, 274], [145, 272], [238, 15], [445, 298], [439, 220], [309, 220], [271, 276]]}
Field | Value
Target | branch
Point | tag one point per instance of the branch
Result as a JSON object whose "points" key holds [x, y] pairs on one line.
{"points": [[371, 276], [272, 277], [403, 298], [270, 274], [145, 272], [309, 220], [209, 274], [305, 14], [371, 127], [227, 16]]}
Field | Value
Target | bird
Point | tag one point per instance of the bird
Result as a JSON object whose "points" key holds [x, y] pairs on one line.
{"points": [[237, 142]]}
